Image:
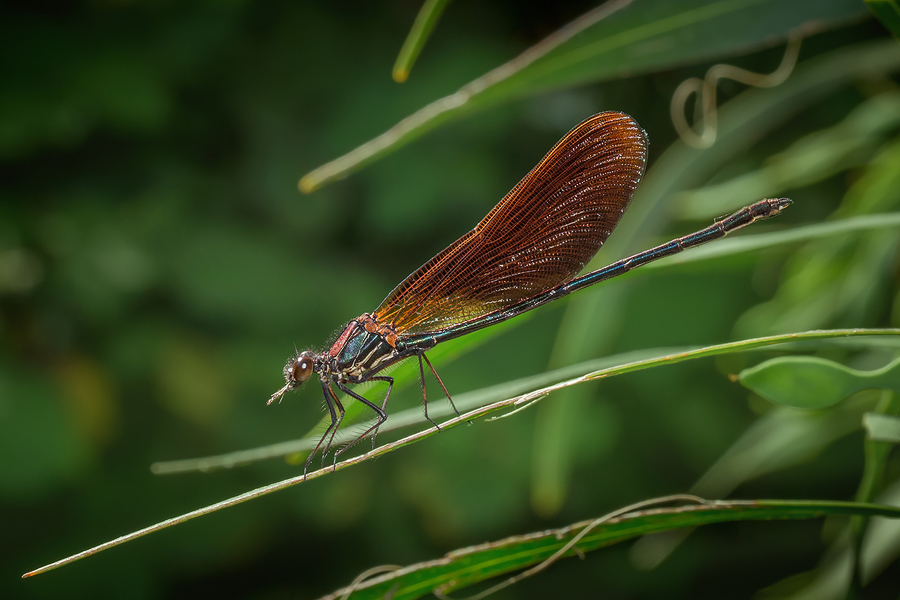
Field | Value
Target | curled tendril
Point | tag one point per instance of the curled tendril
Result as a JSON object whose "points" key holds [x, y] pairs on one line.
{"points": [[365, 575], [705, 116]]}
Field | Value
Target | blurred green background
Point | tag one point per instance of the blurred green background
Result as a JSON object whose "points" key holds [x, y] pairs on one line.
{"points": [[157, 266]]}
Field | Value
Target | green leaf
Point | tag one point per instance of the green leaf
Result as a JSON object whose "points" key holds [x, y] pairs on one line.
{"points": [[618, 38], [467, 566], [882, 428], [421, 30], [888, 12], [812, 383]]}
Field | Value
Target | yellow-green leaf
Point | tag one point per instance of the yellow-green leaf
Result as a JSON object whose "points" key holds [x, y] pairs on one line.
{"points": [[811, 382]]}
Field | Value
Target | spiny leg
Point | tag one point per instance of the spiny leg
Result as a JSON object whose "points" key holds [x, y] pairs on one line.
{"points": [[337, 425], [390, 382], [382, 417], [325, 390], [438, 377], [424, 393]]}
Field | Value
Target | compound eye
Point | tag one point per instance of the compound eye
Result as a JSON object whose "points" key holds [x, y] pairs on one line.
{"points": [[301, 369]]}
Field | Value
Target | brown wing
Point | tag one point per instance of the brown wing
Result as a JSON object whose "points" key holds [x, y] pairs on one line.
{"points": [[541, 233]]}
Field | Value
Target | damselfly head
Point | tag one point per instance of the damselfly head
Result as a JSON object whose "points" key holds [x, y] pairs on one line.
{"points": [[298, 369]]}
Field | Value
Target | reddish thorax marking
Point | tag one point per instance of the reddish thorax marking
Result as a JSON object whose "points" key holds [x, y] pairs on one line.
{"points": [[341, 341]]}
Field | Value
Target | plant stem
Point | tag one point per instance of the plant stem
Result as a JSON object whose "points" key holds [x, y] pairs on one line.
{"points": [[876, 455]]}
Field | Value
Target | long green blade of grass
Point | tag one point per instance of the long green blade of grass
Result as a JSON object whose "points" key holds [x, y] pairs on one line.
{"points": [[467, 566], [421, 30]]}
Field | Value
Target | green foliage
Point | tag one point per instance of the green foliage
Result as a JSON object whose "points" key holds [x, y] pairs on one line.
{"points": [[888, 12], [812, 383], [422, 27], [468, 566], [883, 428]]}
